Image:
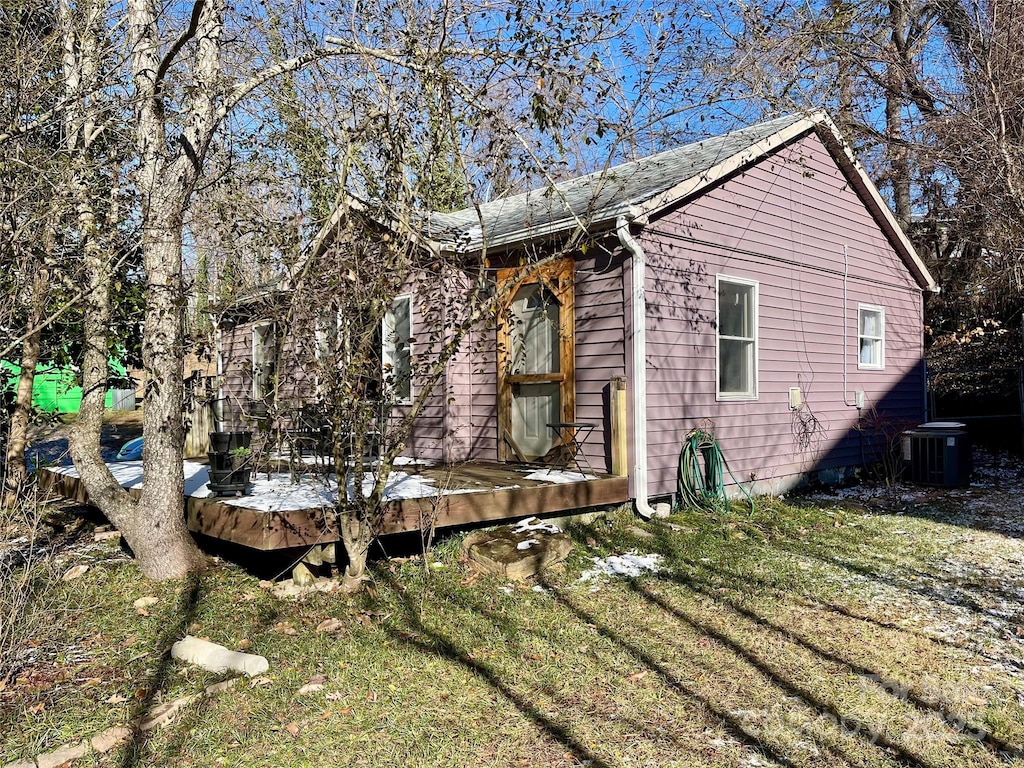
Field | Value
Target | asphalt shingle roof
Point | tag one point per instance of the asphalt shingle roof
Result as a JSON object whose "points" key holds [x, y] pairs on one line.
{"points": [[595, 198]]}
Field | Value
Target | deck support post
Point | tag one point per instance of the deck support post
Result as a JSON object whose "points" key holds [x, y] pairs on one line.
{"points": [[617, 405], [315, 555]]}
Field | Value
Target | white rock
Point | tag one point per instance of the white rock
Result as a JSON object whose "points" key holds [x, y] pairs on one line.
{"points": [[75, 572], [63, 755], [217, 658]]}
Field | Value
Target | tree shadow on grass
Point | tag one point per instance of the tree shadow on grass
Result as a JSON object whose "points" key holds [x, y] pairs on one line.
{"points": [[432, 642], [737, 726], [137, 751], [895, 689], [780, 678]]}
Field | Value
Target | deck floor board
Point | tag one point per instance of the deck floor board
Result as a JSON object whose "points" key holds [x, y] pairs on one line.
{"points": [[470, 493]]}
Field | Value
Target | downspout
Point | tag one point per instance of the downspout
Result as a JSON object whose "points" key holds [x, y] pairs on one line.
{"points": [[639, 304]]}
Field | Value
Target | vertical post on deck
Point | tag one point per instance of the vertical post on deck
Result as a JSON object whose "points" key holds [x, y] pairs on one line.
{"points": [[617, 403]]}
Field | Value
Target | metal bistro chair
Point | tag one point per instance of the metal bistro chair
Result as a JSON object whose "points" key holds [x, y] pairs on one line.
{"points": [[308, 434]]}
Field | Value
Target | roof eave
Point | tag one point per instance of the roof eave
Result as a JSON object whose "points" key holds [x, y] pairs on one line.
{"points": [[600, 221], [746, 156], [843, 154]]}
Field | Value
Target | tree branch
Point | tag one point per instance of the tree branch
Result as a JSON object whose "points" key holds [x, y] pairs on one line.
{"points": [[172, 53]]}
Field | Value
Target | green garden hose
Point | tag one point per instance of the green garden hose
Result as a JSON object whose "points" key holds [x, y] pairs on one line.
{"points": [[701, 479]]}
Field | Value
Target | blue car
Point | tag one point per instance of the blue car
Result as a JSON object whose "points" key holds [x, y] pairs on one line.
{"points": [[131, 451]]}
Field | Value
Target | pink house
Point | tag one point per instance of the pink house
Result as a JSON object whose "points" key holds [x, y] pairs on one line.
{"points": [[754, 285]]}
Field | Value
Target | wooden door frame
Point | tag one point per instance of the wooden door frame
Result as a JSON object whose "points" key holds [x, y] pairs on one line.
{"points": [[557, 277]]}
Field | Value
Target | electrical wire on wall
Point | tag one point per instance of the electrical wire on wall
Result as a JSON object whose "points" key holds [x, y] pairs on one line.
{"points": [[702, 467]]}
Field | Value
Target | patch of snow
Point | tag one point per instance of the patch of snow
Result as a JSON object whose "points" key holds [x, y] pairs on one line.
{"points": [[531, 524], [524, 545], [557, 476], [404, 461], [629, 565], [279, 493]]}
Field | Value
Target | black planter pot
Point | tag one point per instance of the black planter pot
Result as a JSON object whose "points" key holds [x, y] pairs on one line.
{"points": [[228, 479], [220, 442], [223, 442], [230, 468]]}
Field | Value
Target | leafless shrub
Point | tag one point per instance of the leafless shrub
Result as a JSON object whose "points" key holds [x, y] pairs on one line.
{"points": [[22, 567]]}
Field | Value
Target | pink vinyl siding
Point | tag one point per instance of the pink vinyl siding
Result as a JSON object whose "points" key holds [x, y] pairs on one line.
{"points": [[784, 224], [295, 380], [600, 346], [474, 391]]}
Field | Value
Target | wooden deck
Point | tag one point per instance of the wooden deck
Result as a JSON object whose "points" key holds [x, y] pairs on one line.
{"points": [[472, 493]]}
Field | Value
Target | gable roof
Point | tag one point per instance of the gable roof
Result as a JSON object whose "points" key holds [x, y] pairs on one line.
{"points": [[638, 190], [642, 188]]}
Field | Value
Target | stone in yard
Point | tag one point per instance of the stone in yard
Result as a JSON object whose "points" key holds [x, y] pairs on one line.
{"points": [[164, 714], [74, 572], [65, 754], [110, 738], [639, 532], [515, 555], [329, 553], [217, 658], [302, 576]]}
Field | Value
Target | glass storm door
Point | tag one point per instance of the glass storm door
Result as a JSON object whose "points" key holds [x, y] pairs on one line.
{"points": [[536, 363]]}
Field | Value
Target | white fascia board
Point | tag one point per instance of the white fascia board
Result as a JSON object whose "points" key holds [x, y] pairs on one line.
{"points": [[822, 124], [843, 154], [602, 222], [729, 165]]}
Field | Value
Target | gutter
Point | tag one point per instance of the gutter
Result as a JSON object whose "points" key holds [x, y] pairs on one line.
{"points": [[639, 304]]}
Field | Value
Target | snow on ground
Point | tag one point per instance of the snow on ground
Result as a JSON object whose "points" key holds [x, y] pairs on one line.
{"points": [[629, 565], [531, 524], [970, 593]]}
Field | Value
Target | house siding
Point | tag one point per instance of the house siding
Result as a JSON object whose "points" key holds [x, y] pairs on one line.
{"points": [[297, 385], [474, 390], [600, 345], [783, 223]]}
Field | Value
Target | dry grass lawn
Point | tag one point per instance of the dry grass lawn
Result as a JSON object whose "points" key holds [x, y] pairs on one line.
{"points": [[841, 630]]}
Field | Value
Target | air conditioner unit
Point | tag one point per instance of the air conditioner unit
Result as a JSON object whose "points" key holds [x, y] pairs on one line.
{"points": [[938, 453]]}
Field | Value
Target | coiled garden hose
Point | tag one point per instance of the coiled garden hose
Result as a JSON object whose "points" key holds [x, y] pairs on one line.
{"points": [[701, 479]]}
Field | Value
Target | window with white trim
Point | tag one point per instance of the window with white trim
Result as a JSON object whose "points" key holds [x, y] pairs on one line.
{"points": [[264, 359], [871, 337], [396, 349], [737, 338]]}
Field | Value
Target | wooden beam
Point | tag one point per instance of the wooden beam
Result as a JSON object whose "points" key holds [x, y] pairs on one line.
{"points": [[620, 450], [508, 503]]}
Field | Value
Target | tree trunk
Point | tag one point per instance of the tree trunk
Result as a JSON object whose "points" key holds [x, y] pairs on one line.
{"points": [[163, 542], [357, 536], [154, 525], [14, 479], [895, 99]]}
